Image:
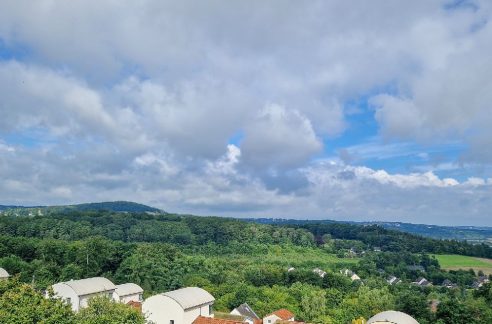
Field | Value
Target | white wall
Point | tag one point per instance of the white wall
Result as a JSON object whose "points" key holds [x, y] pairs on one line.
{"points": [[65, 292], [127, 298], [270, 319], [161, 309]]}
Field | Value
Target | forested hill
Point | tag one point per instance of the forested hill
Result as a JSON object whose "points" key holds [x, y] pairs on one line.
{"points": [[472, 234], [113, 206]]}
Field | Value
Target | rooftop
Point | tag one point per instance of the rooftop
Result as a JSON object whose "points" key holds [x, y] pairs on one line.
{"points": [[90, 285], [128, 289], [392, 317], [190, 297]]}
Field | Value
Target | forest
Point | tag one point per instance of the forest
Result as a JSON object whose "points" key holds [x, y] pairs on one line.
{"points": [[267, 266]]}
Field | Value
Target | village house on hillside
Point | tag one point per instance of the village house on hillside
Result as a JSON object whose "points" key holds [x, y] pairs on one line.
{"points": [[449, 284], [350, 274], [78, 292], [278, 316], [480, 282], [392, 280], [422, 282], [246, 312], [319, 272], [128, 292], [182, 306], [4, 274]]}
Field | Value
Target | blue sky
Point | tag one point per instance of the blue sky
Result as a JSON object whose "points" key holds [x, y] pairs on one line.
{"points": [[327, 110]]}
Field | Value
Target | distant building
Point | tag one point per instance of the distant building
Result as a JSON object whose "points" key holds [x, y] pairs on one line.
{"points": [[392, 280], [291, 269], [246, 312], [182, 306], [319, 272], [4, 274], [349, 273], [480, 282], [78, 292], [376, 249], [448, 284], [280, 315], [422, 282], [128, 292], [392, 317]]}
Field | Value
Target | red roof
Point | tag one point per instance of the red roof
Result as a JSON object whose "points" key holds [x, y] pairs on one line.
{"points": [[211, 320], [283, 313]]}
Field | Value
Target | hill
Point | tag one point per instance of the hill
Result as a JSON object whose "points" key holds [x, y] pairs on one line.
{"points": [[111, 206], [472, 234]]}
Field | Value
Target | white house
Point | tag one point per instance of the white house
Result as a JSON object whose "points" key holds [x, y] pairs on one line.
{"points": [[180, 306], [283, 315], [128, 292], [319, 272], [246, 312], [4, 274], [78, 292], [392, 317], [349, 273]]}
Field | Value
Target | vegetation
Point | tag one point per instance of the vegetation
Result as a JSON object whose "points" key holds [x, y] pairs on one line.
{"points": [[267, 266]]}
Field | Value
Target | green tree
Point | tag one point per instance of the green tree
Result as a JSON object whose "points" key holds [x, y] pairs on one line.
{"points": [[102, 310]]}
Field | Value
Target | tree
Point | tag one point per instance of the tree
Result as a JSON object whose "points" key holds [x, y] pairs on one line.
{"points": [[102, 310], [20, 303]]}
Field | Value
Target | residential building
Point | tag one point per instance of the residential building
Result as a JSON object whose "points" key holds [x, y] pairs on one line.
{"points": [[422, 282], [392, 317], [128, 292], [4, 274], [78, 292], [448, 284], [392, 280], [349, 273], [246, 312], [278, 316], [319, 272], [182, 306]]}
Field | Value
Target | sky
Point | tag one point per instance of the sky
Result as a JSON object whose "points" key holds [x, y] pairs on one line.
{"points": [[348, 110]]}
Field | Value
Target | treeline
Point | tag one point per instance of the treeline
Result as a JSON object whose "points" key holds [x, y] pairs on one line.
{"points": [[144, 227], [391, 240]]}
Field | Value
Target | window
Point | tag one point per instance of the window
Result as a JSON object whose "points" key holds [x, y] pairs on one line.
{"points": [[110, 295], [69, 300], [210, 310], [171, 322], [140, 297]]}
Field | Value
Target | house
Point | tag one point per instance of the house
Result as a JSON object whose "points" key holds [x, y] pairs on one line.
{"points": [[376, 249], [392, 280], [211, 320], [319, 272], [278, 316], [128, 292], [78, 292], [422, 282], [350, 274], [392, 317], [4, 274], [480, 282], [246, 312], [182, 306], [448, 284], [291, 269]]}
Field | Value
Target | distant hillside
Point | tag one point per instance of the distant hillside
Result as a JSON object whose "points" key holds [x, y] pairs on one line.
{"points": [[472, 234], [114, 206]]}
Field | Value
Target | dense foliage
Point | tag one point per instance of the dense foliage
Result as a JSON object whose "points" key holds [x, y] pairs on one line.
{"points": [[237, 262]]}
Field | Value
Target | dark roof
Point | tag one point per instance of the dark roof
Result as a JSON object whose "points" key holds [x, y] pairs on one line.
{"points": [[246, 311]]}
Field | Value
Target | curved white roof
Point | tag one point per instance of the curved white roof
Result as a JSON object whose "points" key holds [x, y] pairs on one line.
{"points": [[392, 317], [128, 289], [90, 285], [190, 297], [4, 273]]}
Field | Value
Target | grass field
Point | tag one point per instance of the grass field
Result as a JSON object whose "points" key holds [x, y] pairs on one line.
{"points": [[455, 262]]}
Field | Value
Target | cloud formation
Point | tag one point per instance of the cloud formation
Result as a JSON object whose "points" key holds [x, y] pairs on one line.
{"points": [[144, 101]]}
